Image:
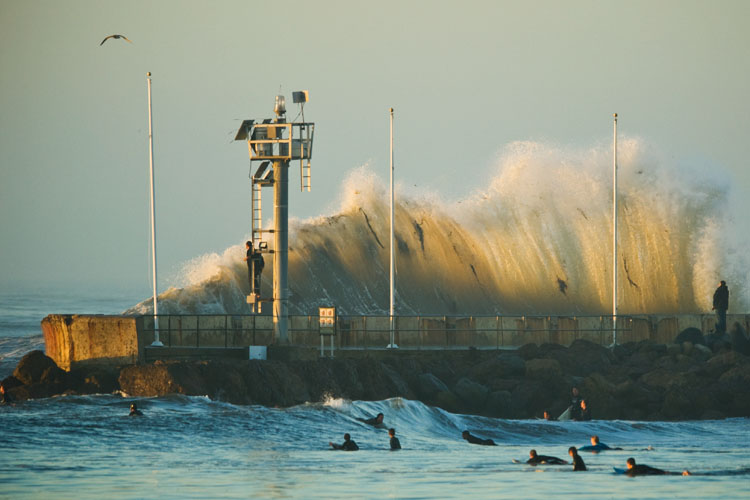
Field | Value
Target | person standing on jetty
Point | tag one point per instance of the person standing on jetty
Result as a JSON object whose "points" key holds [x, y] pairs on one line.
{"points": [[721, 304]]}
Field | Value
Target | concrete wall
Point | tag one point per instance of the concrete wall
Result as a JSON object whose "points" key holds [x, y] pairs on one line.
{"points": [[72, 340]]}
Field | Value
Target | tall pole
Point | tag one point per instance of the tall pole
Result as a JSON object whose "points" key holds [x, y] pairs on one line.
{"points": [[392, 345], [614, 235], [157, 342], [281, 250]]}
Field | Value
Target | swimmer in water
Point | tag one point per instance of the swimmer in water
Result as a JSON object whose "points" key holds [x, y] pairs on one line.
{"points": [[475, 440], [578, 464], [535, 459], [395, 443], [596, 446], [134, 411], [347, 445], [374, 421], [645, 470]]}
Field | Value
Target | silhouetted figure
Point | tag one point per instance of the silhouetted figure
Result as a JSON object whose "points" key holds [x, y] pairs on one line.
{"points": [[347, 445], [535, 459], [475, 440], [575, 404], [395, 443], [255, 265], [584, 412], [548, 416], [134, 411], [721, 304], [578, 464]]}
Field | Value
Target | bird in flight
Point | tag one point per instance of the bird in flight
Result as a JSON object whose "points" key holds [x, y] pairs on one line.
{"points": [[114, 36]]}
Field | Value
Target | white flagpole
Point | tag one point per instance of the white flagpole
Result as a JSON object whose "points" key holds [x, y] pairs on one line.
{"points": [[157, 342], [614, 235], [392, 345]]}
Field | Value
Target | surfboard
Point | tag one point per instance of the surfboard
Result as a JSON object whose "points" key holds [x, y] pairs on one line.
{"points": [[619, 470], [565, 415]]}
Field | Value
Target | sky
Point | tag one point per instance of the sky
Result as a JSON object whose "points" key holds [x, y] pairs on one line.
{"points": [[465, 79]]}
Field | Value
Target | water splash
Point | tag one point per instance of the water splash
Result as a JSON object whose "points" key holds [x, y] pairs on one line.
{"points": [[537, 240]]}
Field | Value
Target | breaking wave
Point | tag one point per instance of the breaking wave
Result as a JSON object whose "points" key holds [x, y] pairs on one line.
{"points": [[536, 240]]}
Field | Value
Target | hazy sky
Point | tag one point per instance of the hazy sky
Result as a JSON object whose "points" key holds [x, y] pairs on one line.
{"points": [[465, 78]]}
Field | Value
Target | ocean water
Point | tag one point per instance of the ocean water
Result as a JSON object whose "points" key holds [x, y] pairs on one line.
{"points": [[191, 447]]}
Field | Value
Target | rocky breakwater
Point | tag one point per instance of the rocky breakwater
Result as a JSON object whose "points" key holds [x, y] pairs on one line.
{"points": [[696, 377]]}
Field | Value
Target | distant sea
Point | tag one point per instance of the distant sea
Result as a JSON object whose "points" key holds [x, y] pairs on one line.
{"points": [[191, 447]]}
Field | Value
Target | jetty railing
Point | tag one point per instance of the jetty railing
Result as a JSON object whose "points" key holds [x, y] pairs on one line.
{"points": [[423, 331]]}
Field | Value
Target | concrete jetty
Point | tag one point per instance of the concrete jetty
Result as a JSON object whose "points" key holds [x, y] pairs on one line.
{"points": [[80, 340]]}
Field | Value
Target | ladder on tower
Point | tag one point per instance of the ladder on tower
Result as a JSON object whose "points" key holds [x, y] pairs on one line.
{"points": [[262, 177], [305, 175]]}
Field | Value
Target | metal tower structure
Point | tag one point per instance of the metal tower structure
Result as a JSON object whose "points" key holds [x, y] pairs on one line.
{"points": [[274, 143]]}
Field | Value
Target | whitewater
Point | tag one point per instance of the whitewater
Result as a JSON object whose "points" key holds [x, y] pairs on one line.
{"points": [[537, 239]]}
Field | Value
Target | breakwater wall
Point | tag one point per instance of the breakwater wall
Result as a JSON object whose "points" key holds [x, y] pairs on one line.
{"points": [[74, 340]]}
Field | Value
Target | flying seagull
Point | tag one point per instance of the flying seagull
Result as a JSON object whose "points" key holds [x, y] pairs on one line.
{"points": [[114, 36]]}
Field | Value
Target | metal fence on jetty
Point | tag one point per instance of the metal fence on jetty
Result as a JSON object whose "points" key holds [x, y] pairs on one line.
{"points": [[426, 332]]}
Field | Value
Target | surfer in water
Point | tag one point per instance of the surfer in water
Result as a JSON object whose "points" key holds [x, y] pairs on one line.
{"points": [[395, 443], [584, 412], [347, 445], [375, 421], [475, 440], [596, 446], [645, 470], [578, 464], [575, 404], [535, 459], [134, 411]]}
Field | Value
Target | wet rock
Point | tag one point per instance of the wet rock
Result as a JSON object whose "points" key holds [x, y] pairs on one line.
{"points": [[739, 340], [32, 366], [528, 351], [674, 349], [473, 394], [428, 385], [583, 358], [94, 380], [397, 385], [448, 401], [543, 369], [692, 335], [502, 366], [499, 404], [701, 352], [718, 342]]}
